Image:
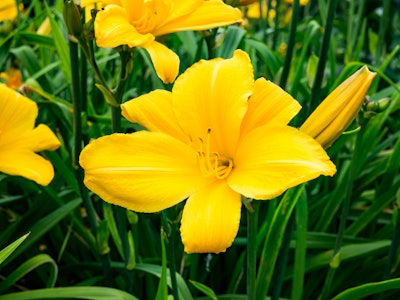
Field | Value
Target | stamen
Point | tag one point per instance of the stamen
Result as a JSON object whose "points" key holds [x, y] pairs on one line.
{"points": [[213, 163]]}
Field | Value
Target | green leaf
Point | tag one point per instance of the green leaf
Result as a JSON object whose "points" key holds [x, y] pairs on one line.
{"points": [[274, 238], [232, 38], [60, 43], [205, 289], [184, 292], [27, 267], [81, 292], [10, 248], [162, 291], [46, 223], [362, 291]]}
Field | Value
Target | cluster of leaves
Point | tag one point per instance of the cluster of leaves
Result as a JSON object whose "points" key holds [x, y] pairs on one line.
{"points": [[338, 237]]}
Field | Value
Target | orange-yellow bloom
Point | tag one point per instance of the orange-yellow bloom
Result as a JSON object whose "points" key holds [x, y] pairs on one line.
{"points": [[136, 23], [12, 78], [20, 139], [339, 109], [8, 10], [218, 135]]}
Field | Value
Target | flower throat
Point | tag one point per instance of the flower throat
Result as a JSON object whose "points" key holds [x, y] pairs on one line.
{"points": [[212, 163]]}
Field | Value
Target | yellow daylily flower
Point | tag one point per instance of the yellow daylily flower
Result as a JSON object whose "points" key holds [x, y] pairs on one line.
{"points": [[253, 10], [8, 10], [338, 110], [218, 135], [302, 2], [136, 23], [20, 139]]}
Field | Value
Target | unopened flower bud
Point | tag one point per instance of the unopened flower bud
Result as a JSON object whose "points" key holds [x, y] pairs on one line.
{"points": [[72, 18], [339, 109], [371, 108]]}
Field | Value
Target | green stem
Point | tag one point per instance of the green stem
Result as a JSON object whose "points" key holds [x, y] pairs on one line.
{"points": [[315, 91], [274, 237], [291, 43], [392, 255], [77, 132], [275, 33], [252, 223], [116, 118], [170, 231], [282, 260], [383, 25], [263, 22], [344, 214]]}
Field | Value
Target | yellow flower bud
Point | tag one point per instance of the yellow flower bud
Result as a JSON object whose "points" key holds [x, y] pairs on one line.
{"points": [[339, 109]]}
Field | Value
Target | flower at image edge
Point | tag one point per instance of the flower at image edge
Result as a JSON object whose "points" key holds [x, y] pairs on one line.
{"points": [[218, 135], [8, 10], [138, 23], [20, 139]]}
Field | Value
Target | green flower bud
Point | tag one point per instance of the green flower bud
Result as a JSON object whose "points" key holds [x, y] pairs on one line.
{"points": [[72, 18], [377, 106]]}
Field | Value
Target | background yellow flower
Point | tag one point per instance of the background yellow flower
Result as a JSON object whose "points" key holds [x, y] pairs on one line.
{"points": [[20, 139]]}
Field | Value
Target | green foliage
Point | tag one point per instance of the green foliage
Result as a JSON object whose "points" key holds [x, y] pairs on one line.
{"points": [[80, 247]]}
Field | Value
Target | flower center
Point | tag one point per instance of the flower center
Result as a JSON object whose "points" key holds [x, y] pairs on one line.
{"points": [[146, 22], [212, 163]]}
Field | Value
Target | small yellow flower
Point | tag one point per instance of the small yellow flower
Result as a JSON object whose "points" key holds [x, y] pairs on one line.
{"points": [[253, 11], [218, 135], [12, 78], [45, 27], [20, 139], [339, 109], [302, 2], [8, 10], [136, 23]]}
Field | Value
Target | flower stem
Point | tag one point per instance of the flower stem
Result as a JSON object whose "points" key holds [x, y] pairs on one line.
{"points": [[252, 223], [282, 260], [77, 132], [343, 217], [323, 53], [383, 25], [170, 232], [275, 33], [291, 42], [393, 250]]}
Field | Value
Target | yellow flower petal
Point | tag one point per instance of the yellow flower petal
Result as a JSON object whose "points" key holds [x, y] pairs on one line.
{"points": [[112, 29], [154, 111], [271, 159], [212, 96], [38, 139], [210, 219], [210, 14], [144, 171], [269, 103], [17, 113], [19, 139], [22, 162], [8, 10], [85, 3], [165, 61]]}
